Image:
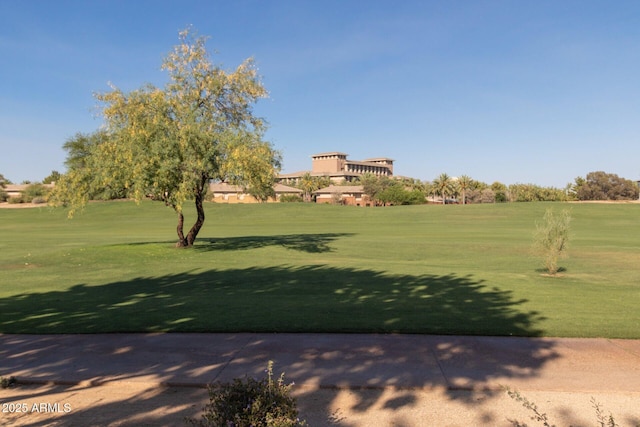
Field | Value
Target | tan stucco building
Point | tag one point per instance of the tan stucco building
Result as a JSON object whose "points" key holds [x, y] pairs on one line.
{"points": [[221, 192], [338, 168], [352, 195]]}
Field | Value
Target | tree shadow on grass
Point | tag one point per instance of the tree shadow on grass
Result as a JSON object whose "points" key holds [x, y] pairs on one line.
{"points": [[312, 243], [324, 302]]}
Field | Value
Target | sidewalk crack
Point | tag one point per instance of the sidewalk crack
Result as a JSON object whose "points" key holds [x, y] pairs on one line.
{"points": [[233, 357]]}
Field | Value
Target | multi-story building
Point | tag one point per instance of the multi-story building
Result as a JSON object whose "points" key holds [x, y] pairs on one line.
{"points": [[338, 168]]}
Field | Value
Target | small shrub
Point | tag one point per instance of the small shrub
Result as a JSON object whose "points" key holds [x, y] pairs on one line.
{"points": [[290, 198], [250, 403], [7, 382], [602, 420], [4, 196], [15, 200], [38, 200], [551, 239], [487, 196], [35, 191]]}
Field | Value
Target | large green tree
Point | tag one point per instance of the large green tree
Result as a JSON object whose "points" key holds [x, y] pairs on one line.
{"points": [[605, 186], [169, 143]]}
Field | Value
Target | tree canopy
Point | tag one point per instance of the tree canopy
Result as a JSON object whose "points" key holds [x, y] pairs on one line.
{"points": [[169, 143], [605, 186]]}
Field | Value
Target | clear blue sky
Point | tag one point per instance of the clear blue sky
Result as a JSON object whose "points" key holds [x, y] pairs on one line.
{"points": [[521, 91]]}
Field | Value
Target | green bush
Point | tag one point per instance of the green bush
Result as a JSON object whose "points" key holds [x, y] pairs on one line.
{"points": [[3, 196], [34, 191], [7, 382], [250, 403], [15, 200], [551, 238], [290, 198]]}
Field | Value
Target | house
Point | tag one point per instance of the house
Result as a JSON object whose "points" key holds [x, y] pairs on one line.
{"points": [[222, 192], [17, 190], [352, 195]]}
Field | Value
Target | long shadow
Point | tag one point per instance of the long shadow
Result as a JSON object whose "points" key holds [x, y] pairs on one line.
{"points": [[312, 243], [275, 299], [313, 299]]}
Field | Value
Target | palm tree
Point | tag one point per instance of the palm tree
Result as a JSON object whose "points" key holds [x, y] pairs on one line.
{"points": [[308, 185], [443, 186], [464, 184]]}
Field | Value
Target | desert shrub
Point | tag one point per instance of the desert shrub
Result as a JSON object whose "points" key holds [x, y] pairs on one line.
{"points": [[602, 420], [3, 196], [487, 196], [250, 403], [290, 198], [15, 200], [551, 238], [7, 382], [38, 200], [35, 191]]}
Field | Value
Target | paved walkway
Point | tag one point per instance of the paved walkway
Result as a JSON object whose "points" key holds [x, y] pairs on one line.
{"points": [[451, 364]]}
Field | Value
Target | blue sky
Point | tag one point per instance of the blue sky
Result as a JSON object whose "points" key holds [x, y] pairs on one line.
{"points": [[511, 91]]}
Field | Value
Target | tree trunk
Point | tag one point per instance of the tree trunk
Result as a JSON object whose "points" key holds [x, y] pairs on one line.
{"points": [[200, 192], [182, 242]]}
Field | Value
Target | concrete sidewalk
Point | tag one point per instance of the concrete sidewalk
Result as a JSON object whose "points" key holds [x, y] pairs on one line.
{"points": [[455, 366]]}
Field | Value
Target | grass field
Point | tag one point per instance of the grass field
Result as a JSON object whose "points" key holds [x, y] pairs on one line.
{"points": [[302, 267]]}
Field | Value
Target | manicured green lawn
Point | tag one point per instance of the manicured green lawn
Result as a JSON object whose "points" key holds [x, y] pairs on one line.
{"points": [[301, 267]]}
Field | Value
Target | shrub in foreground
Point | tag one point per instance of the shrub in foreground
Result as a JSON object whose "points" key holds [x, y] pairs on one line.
{"points": [[250, 402], [7, 382], [602, 420]]}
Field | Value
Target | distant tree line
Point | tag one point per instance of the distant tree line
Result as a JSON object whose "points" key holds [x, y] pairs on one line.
{"points": [[388, 190], [445, 189]]}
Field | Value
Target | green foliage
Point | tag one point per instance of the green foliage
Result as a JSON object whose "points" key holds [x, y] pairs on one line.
{"points": [[396, 194], [308, 184], [251, 403], [53, 177], [83, 180], [386, 191], [4, 196], [7, 382], [465, 184], [36, 192], [535, 193], [500, 192], [290, 198], [371, 185], [169, 143], [551, 238], [604, 186], [443, 186]]}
